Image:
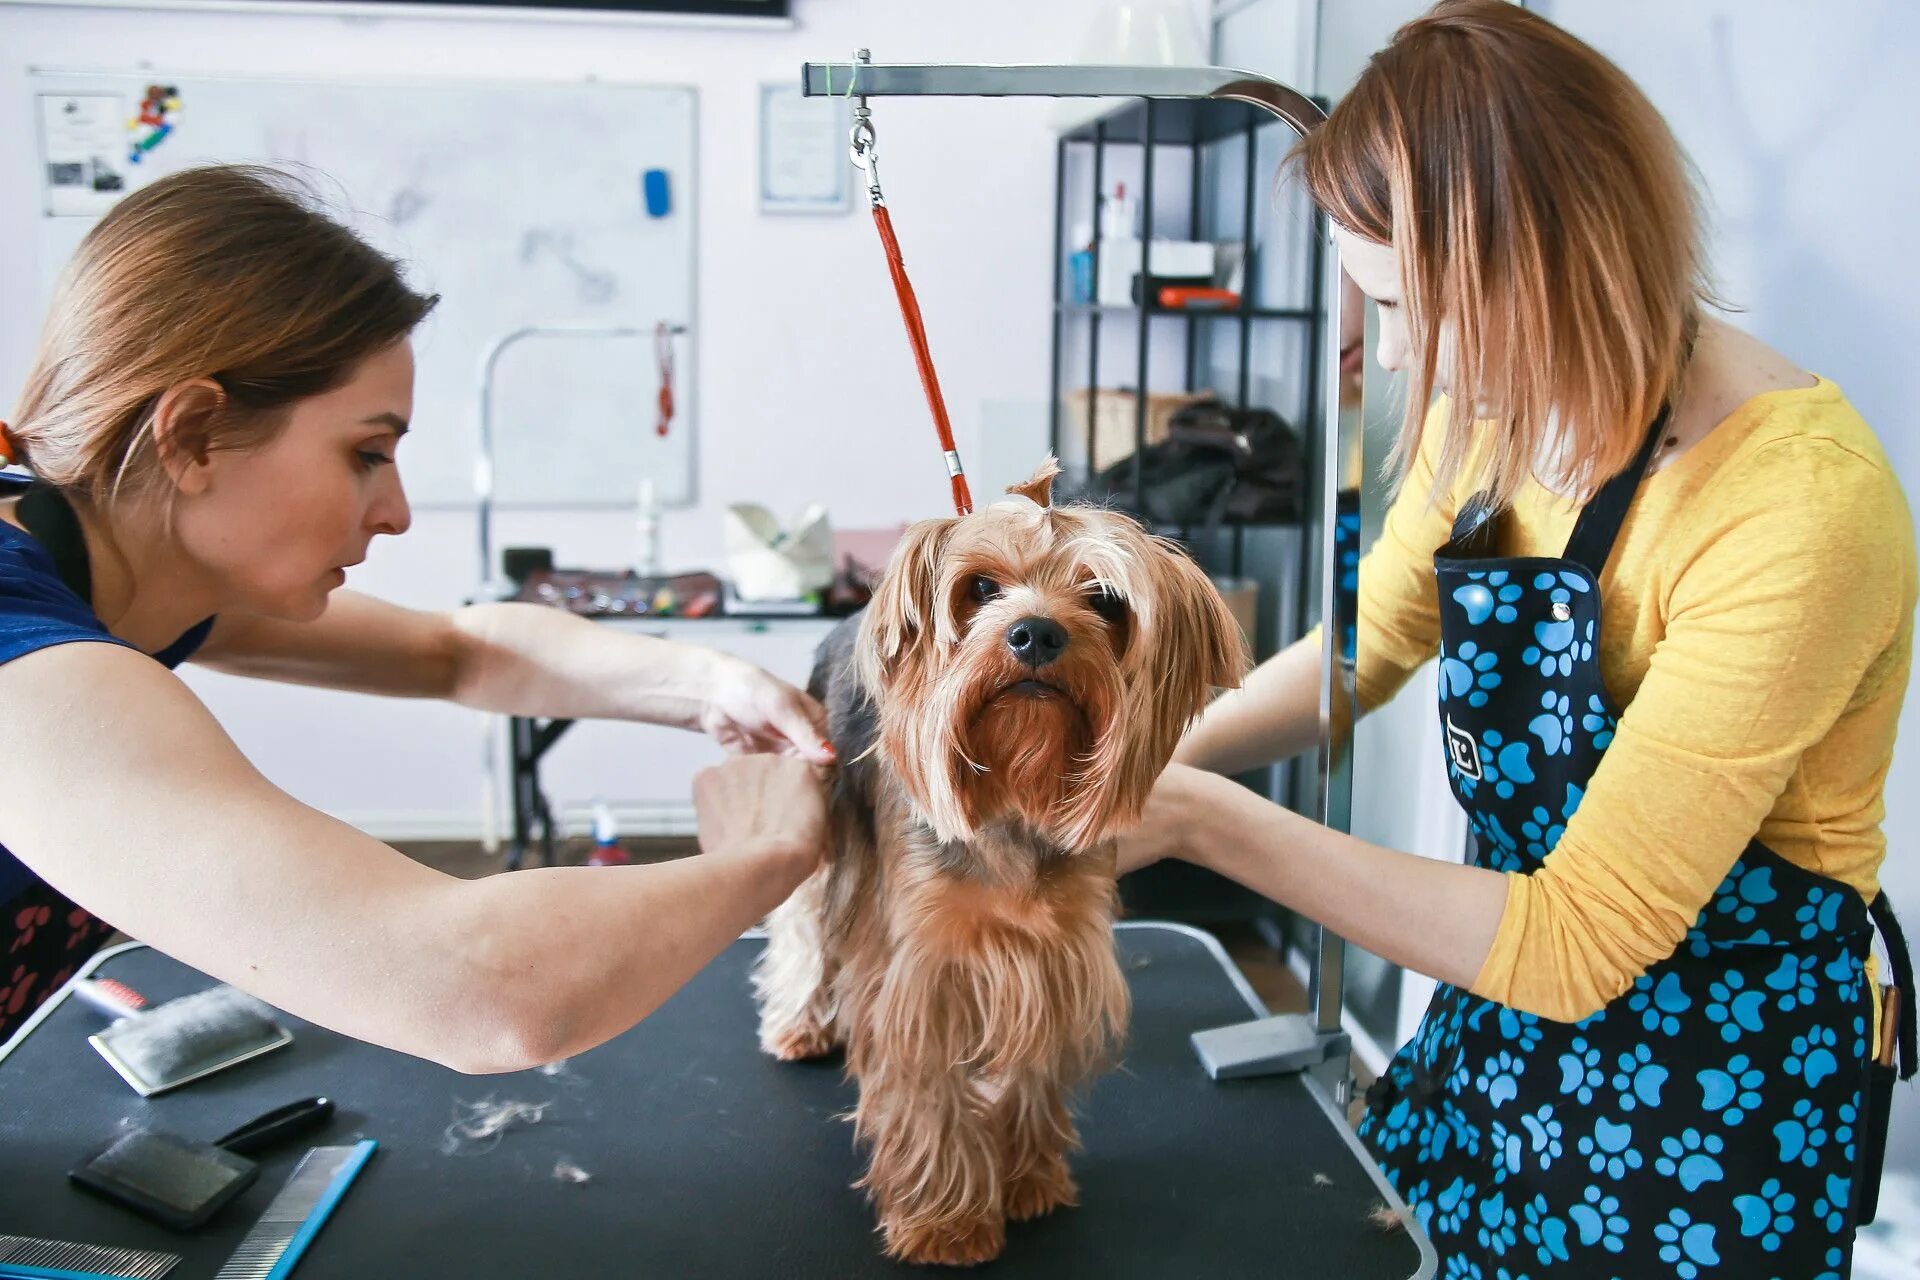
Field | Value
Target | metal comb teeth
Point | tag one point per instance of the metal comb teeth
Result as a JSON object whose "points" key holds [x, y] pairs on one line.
{"points": [[17, 1252], [267, 1243]]}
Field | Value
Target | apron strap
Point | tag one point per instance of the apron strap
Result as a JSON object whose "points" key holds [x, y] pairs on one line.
{"points": [[1889, 925], [1600, 520], [48, 516]]}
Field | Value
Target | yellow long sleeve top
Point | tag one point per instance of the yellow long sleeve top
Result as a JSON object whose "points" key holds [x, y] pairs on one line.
{"points": [[1757, 626]]}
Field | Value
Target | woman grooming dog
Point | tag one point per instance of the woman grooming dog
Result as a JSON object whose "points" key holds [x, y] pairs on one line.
{"points": [[1649, 1048], [210, 425]]}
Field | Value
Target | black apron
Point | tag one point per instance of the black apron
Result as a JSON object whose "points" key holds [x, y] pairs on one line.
{"points": [[1712, 1122]]}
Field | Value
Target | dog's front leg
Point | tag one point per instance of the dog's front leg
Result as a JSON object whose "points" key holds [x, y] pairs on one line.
{"points": [[934, 1173], [1035, 1130]]}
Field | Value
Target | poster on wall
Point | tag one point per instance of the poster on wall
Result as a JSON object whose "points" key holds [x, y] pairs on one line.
{"points": [[803, 152], [83, 153]]}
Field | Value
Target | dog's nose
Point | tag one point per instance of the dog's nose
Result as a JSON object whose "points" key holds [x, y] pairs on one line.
{"points": [[1036, 641]]}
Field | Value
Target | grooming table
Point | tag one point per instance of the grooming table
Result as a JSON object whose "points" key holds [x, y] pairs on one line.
{"points": [[710, 1160]]}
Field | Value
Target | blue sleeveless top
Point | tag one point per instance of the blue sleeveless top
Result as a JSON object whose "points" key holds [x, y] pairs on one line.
{"points": [[43, 935]]}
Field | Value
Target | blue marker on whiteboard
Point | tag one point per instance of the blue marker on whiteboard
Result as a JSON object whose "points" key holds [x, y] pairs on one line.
{"points": [[653, 184]]}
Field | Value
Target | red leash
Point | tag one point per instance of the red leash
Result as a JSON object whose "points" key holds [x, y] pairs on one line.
{"points": [[864, 157]]}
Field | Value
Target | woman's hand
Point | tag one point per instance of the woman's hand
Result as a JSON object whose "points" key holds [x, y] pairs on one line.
{"points": [[1167, 825], [748, 711], [763, 806]]}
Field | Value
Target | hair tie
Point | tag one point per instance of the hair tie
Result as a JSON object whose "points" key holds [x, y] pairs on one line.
{"points": [[8, 455]]}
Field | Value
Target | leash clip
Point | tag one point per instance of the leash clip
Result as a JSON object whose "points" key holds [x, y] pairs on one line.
{"points": [[861, 142]]}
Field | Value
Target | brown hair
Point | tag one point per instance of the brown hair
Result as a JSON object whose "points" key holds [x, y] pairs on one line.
{"points": [[232, 273], [1539, 206]]}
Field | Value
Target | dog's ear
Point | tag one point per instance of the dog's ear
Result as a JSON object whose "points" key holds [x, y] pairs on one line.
{"points": [[1197, 635], [901, 617], [1038, 488]]}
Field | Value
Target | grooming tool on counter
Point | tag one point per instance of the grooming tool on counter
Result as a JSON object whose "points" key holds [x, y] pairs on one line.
{"points": [[181, 1183], [177, 1182], [175, 1043], [296, 1215], [277, 1126], [28, 1258]]}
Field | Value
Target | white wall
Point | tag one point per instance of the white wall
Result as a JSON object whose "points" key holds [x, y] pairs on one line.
{"points": [[806, 387]]}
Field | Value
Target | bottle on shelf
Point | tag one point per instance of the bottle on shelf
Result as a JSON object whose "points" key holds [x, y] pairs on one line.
{"points": [[607, 850]]}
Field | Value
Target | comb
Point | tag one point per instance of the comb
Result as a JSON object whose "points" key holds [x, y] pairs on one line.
{"points": [[27, 1258], [296, 1215]]}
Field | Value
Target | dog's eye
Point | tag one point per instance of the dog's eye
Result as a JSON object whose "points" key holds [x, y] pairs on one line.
{"points": [[981, 588], [1108, 605]]}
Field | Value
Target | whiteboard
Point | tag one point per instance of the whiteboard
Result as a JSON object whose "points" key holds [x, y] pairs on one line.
{"points": [[520, 203]]}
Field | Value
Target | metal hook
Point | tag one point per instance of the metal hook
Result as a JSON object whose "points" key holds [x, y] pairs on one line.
{"points": [[861, 139]]}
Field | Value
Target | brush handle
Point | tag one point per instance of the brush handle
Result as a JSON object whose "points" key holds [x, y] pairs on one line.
{"points": [[110, 998], [277, 1126]]}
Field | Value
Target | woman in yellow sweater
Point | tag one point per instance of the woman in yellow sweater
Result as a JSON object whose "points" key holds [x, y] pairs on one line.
{"points": [[1670, 578]]}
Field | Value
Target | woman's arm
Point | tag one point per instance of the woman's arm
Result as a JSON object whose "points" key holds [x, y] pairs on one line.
{"points": [[1273, 715], [124, 794], [1436, 918], [523, 659]]}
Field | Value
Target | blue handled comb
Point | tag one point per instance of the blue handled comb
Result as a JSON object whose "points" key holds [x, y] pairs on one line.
{"points": [[296, 1215]]}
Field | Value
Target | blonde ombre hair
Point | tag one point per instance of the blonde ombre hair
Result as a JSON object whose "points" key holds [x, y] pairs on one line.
{"points": [[226, 272], [1542, 216]]}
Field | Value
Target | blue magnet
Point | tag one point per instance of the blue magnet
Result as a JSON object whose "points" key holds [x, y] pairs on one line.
{"points": [[653, 184]]}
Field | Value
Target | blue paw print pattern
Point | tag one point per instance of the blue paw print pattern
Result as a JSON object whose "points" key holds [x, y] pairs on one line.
{"points": [[1691, 1158], [1454, 1205], [1581, 1074], [1813, 1058], [1819, 914], [1558, 644], [1520, 1029], [1598, 1220], [1802, 1136], [1831, 1208], [1844, 1117], [1638, 1079], [1735, 1009], [1732, 1093], [1554, 725], [1598, 722], [1498, 849], [1543, 1135], [1745, 892], [1461, 1267], [1505, 766], [1491, 597], [1659, 1004], [1795, 982], [1609, 1148], [1767, 1217], [1497, 1232], [1508, 1149], [1686, 1245], [1469, 673], [1545, 1231], [1835, 1258], [1499, 1079]]}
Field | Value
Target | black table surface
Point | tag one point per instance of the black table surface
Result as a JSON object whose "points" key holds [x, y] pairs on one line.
{"points": [[708, 1159]]}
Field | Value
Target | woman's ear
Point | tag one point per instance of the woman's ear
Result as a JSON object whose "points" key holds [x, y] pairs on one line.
{"points": [[182, 429]]}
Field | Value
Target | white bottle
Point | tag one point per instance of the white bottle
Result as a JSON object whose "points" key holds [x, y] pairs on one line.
{"points": [[646, 533]]}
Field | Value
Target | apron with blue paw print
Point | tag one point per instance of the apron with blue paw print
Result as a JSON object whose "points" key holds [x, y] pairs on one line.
{"points": [[1705, 1124]]}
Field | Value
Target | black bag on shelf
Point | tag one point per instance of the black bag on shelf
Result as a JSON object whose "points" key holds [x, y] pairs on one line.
{"points": [[1218, 465]]}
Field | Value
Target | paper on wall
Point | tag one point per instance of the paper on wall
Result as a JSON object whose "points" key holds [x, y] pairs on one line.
{"points": [[83, 152]]}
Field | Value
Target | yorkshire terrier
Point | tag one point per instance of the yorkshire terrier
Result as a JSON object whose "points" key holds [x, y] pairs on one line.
{"points": [[1005, 703]]}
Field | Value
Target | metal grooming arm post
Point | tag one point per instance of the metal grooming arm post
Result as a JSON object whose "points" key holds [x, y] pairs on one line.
{"points": [[1291, 1042]]}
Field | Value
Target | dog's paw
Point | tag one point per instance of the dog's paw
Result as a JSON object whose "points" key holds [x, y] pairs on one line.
{"points": [[1041, 1190], [797, 1044], [962, 1243]]}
